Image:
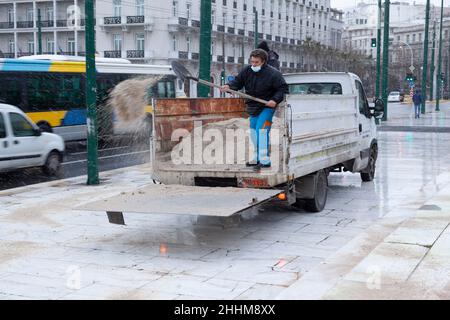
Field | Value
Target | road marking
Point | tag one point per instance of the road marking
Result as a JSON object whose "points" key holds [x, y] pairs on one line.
{"points": [[79, 153], [108, 157]]}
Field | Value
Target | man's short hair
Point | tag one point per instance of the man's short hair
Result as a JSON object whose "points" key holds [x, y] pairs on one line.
{"points": [[260, 53]]}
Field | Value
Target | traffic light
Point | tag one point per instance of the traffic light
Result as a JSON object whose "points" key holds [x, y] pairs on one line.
{"points": [[442, 78], [374, 42], [410, 77], [222, 77]]}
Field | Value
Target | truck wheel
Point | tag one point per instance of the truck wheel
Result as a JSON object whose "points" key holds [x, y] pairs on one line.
{"points": [[369, 173], [52, 165], [320, 193]]}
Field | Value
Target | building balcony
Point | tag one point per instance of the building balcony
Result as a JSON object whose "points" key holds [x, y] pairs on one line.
{"points": [[231, 30], [135, 19], [113, 54], [61, 23], [6, 25], [25, 24], [112, 20], [183, 55], [230, 59], [241, 32], [6, 54], [195, 56], [47, 24], [24, 54], [135, 54]]}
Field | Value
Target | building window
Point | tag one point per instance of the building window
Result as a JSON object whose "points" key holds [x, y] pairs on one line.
{"points": [[30, 15], [188, 44], [117, 42], [174, 43], [407, 39], [71, 45], [50, 45], [140, 41], [30, 46], [12, 46], [49, 13], [188, 10], [117, 8], [213, 17], [175, 8], [10, 15], [139, 7], [414, 37]]}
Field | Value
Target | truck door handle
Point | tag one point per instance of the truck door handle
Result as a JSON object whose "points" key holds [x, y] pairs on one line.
{"points": [[360, 127], [16, 141]]}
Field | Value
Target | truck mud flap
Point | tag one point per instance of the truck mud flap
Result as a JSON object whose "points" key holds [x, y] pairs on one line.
{"points": [[181, 200]]}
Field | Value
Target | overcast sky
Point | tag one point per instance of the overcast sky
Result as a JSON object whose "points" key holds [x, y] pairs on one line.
{"points": [[349, 3]]}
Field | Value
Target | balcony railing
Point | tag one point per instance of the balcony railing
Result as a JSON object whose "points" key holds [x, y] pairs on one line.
{"points": [[230, 59], [135, 19], [195, 56], [183, 21], [241, 32], [47, 24], [135, 53], [230, 30], [251, 34], [241, 60], [24, 54], [277, 38], [284, 64], [292, 65], [285, 40], [219, 58], [292, 41], [61, 23], [6, 25], [220, 28], [268, 37], [183, 55], [112, 20], [195, 23], [6, 54], [24, 24], [113, 54]]}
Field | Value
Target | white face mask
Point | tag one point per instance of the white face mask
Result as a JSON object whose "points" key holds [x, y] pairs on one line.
{"points": [[256, 69]]}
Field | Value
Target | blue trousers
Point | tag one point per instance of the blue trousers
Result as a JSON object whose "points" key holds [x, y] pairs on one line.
{"points": [[417, 110], [259, 134]]}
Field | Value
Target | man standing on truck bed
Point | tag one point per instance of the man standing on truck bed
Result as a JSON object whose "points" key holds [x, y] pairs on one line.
{"points": [[261, 81]]}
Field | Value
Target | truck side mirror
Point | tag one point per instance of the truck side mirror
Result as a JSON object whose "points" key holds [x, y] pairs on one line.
{"points": [[378, 110]]}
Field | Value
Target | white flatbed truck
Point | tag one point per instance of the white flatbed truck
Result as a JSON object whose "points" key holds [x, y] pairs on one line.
{"points": [[325, 125]]}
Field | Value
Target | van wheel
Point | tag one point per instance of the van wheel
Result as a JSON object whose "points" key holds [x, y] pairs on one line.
{"points": [[320, 193], [369, 173], [52, 164]]}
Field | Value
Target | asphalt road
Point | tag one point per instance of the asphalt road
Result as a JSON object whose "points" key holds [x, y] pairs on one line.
{"points": [[118, 155]]}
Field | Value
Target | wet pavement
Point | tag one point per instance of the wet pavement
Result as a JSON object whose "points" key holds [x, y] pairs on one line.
{"points": [[384, 239]]}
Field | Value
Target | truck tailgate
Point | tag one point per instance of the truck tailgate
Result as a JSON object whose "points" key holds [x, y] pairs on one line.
{"points": [[183, 200]]}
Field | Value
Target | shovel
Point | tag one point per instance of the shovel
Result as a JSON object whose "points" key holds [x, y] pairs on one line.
{"points": [[184, 74]]}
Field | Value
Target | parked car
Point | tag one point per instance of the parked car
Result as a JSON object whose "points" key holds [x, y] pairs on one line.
{"points": [[23, 145], [394, 96]]}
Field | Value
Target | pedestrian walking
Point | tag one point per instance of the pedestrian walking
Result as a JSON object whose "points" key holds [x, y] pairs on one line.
{"points": [[417, 100]]}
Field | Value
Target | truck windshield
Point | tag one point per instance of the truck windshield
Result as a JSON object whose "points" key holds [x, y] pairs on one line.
{"points": [[315, 88]]}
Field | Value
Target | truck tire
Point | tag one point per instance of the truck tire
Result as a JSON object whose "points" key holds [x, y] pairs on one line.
{"points": [[52, 165], [320, 193], [369, 173]]}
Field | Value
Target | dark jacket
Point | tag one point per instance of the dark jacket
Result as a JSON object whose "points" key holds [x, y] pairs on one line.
{"points": [[417, 98], [267, 84], [273, 57]]}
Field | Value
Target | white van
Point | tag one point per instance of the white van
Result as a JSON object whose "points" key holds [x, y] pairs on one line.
{"points": [[23, 145]]}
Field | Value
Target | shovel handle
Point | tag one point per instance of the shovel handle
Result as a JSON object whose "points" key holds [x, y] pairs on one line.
{"points": [[243, 95]]}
